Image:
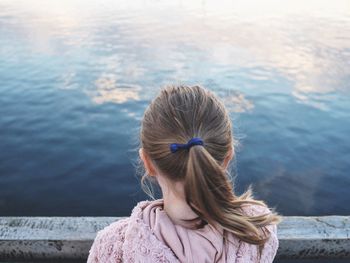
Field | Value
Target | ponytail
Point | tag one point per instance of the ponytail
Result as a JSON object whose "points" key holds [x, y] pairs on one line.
{"points": [[209, 193]]}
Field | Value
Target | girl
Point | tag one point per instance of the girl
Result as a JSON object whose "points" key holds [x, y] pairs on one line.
{"points": [[186, 146]]}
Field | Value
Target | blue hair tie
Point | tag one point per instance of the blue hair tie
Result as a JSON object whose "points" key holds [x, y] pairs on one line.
{"points": [[194, 141]]}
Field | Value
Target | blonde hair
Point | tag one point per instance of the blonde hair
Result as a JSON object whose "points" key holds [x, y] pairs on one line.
{"points": [[178, 114]]}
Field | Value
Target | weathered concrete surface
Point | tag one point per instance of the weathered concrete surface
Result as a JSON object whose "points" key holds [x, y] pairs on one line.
{"points": [[34, 238], [48, 237], [314, 237]]}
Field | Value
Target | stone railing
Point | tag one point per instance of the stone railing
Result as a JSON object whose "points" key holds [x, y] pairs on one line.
{"points": [[70, 238]]}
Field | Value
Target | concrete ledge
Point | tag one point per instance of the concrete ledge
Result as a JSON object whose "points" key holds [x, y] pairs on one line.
{"points": [[53, 238]]}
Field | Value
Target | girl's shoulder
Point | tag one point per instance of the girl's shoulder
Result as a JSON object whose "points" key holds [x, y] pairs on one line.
{"points": [[248, 252], [130, 240], [255, 209], [108, 241], [115, 231], [116, 227], [258, 210], [111, 241]]}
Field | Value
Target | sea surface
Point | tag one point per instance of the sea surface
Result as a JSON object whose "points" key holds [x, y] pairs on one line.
{"points": [[76, 77]]}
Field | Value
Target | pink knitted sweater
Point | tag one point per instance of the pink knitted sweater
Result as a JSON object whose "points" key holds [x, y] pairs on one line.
{"points": [[149, 235]]}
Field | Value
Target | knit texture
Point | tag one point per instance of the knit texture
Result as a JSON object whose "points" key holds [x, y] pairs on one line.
{"points": [[130, 240]]}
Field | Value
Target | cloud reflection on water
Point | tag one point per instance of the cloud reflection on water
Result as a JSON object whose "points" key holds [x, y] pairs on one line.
{"points": [[109, 91], [305, 42]]}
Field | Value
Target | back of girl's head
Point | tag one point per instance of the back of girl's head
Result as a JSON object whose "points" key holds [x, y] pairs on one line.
{"points": [[178, 114]]}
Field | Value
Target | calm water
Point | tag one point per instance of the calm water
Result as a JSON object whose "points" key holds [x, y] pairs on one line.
{"points": [[76, 77]]}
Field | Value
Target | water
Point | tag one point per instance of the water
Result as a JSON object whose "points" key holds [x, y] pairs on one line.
{"points": [[76, 77]]}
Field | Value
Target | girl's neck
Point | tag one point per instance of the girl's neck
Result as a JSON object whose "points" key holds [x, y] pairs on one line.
{"points": [[175, 205]]}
